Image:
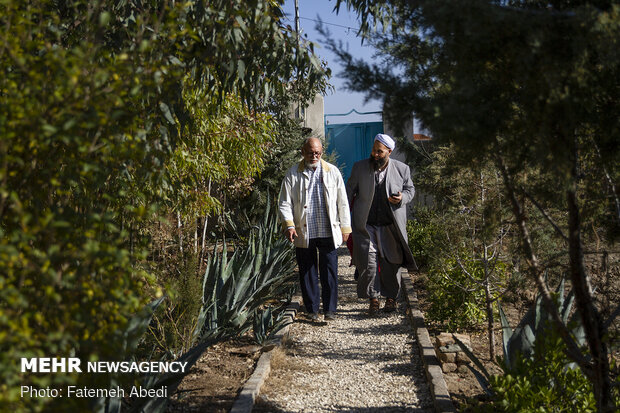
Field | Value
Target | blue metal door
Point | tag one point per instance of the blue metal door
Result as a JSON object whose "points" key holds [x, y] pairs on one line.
{"points": [[351, 142]]}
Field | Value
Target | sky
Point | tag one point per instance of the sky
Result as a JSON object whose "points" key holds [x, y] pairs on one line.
{"points": [[343, 26]]}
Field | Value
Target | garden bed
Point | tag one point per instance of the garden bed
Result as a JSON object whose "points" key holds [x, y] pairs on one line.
{"points": [[462, 384], [464, 388], [215, 380]]}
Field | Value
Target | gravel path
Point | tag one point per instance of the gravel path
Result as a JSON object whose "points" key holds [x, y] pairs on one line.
{"points": [[352, 364]]}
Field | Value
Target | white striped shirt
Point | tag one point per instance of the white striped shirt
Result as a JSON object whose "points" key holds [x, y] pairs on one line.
{"points": [[318, 220]]}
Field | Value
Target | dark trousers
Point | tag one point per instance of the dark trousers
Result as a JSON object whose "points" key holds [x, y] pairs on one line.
{"points": [[309, 274]]}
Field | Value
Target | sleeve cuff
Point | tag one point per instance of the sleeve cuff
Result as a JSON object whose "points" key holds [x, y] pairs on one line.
{"points": [[346, 230]]}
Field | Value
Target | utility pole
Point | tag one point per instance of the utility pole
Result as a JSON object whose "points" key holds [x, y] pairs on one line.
{"points": [[297, 22], [299, 110]]}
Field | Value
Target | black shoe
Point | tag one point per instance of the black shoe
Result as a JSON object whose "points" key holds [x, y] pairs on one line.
{"points": [[330, 316], [313, 316], [390, 305]]}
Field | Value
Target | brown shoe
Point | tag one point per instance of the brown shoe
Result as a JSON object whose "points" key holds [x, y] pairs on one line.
{"points": [[390, 305], [374, 306]]}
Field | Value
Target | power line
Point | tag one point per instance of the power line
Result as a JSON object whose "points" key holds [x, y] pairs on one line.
{"points": [[349, 28], [331, 24]]}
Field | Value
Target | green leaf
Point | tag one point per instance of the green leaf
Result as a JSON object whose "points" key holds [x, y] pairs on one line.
{"points": [[165, 109]]}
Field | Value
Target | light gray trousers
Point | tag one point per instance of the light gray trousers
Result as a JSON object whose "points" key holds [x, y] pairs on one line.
{"points": [[387, 282]]}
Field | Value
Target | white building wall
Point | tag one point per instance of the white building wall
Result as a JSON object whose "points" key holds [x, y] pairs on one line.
{"points": [[312, 116]]}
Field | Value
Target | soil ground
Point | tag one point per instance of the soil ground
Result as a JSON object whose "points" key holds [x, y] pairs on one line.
{"points": [[214, 382]]}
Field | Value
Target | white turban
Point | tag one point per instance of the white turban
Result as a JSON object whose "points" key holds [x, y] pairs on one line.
{"points": [[386, 140]]}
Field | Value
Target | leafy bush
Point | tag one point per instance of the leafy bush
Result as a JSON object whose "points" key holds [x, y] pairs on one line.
{"points": [[543, 383], [454, 288], [74, 145], [456, 300], [425, 236]]}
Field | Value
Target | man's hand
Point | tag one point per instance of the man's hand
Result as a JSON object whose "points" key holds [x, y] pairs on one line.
{"points": [[290, 234], [345, 237], [395, 198]]}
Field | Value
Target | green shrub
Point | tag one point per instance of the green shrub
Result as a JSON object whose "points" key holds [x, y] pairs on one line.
{"points": [[456, 300], [425, 236], [543, 383], [174, 321], [74, 151], [456, 293]]}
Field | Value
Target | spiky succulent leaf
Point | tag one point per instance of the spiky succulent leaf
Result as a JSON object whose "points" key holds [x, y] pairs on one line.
{"points": [[506, 334]]}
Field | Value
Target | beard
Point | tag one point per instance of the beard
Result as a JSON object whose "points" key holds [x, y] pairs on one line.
{"points": [[378, 163]]}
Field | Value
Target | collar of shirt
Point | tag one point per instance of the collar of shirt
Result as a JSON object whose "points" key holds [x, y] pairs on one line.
{"points": [[380, 174]]}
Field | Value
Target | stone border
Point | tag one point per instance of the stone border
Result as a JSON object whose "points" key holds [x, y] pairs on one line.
{"points": [[432, 366], [245, 400]]}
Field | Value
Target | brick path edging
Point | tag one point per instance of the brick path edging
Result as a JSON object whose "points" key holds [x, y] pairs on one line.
{"points": [[432, 366], [245, 400]]}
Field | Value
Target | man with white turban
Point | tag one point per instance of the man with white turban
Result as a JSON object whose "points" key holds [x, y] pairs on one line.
{"points": [[379, 189]]}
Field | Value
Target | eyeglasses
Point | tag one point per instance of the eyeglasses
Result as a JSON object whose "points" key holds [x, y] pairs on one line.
{"points": [[313, 154]]}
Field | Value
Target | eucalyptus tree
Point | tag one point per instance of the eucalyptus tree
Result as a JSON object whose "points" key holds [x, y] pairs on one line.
{"points": [[531, 85], [91, 110]]}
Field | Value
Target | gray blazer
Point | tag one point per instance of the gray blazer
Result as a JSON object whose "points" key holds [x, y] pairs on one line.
{"points": [[360, 192]]}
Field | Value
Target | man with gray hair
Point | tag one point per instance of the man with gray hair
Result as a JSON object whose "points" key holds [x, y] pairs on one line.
{"points": [[379, 189], [315, 213]]}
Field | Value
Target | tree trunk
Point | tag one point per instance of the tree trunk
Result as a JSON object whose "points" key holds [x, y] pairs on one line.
{"points": [[590, 317], [204, 234], [487, 277], [196, 226], [572, 349]]}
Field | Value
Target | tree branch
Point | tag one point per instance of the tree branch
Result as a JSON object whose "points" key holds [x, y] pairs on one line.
{"points": [[609, 180], [544, 213], [612, 317], [571, 347]]}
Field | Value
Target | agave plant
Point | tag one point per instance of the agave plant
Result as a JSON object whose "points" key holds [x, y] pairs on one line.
{"points": [[263, 321], [235, 289], [536, 321]]}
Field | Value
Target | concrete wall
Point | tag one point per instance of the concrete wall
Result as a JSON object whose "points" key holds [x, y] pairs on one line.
{"points": [[312, 116]]}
